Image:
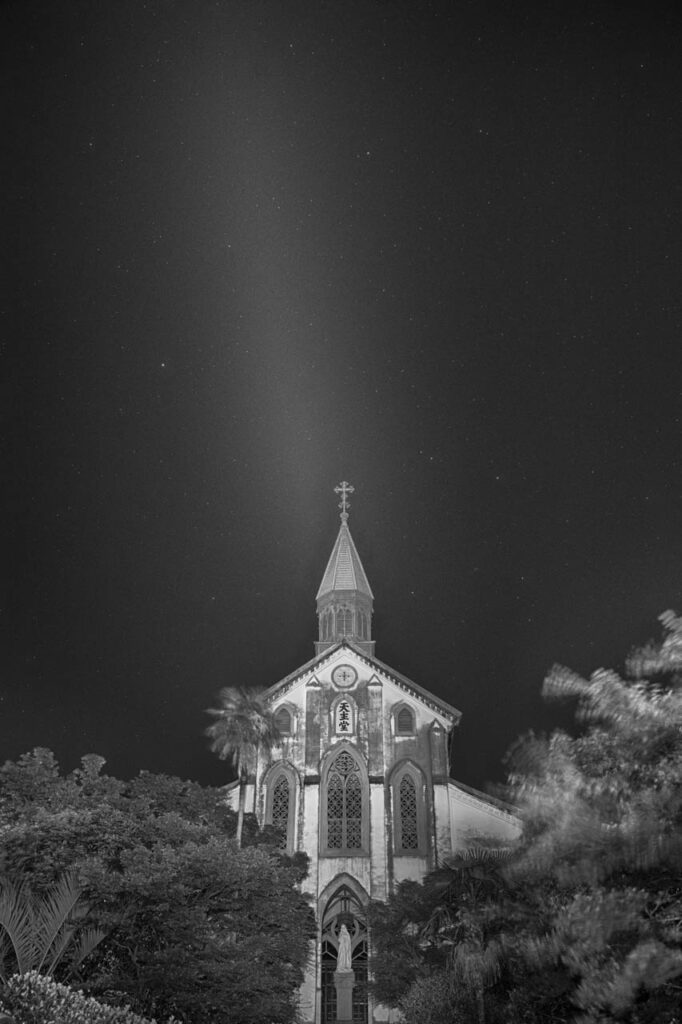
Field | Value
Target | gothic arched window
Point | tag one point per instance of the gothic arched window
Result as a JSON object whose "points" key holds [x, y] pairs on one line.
{"points": [[280, 806], [343, 908], [344, 622], [283, 721], [345, 806], [409, 812], [404, 721], [362, 625]]}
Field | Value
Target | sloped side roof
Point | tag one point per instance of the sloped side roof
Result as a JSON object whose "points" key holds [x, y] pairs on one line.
{"points": [[487, 807], [344, 569], [485, 798]]}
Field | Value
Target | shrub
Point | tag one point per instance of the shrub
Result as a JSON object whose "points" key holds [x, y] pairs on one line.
{"points": [[34, 998], [432, 1000]]}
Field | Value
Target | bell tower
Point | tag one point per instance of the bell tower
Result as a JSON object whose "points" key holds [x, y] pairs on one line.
{"points": [[345, 599]]}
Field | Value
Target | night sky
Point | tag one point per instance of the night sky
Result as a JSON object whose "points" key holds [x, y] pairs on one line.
{"points": [[251, 249]]}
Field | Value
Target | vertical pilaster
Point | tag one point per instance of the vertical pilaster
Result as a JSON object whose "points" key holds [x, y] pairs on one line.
{"points": [[313, 717], [439, 753], [375, 730]]}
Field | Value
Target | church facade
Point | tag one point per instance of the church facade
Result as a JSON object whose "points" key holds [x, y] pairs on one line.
{"points": [[360, 781]]}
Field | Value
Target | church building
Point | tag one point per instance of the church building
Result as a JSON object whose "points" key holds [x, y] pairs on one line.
{"points": [[360, 781]]}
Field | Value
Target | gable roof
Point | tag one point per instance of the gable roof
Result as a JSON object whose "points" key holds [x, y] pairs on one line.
{"points": [[344, 569], [403, 682]]}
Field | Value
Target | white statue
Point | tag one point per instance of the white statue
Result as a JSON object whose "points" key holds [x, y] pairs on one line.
{"points": [[343, 962]]}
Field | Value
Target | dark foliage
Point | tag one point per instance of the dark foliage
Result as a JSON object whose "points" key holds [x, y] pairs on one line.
{"points": [[582, 920], [195, 927]]}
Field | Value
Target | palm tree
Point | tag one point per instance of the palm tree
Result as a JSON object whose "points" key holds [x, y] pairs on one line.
{"points": [[38, 932], [242, 726], [464, 883]]}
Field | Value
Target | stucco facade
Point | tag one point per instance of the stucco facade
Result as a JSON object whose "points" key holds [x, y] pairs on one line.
{"points": [[360, 781]]}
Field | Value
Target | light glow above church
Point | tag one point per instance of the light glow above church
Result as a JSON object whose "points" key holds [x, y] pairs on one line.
{"points": [[254, 250]]}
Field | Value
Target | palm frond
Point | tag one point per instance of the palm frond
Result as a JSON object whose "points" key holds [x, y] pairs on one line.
{"points": [[6, 949], [242, 725], [479, 855], [37, 932], [88, 940], [476, 965], [52, 914], [53, 955], [17, 921]]}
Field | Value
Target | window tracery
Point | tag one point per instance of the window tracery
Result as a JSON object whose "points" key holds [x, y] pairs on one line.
{"points": [[409, 811], [280, 809], [344, 907], [280, 804], [345, 805], [409, 833]]}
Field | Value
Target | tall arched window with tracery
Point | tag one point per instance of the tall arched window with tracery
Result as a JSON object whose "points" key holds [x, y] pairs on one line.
{"points": [[280, 804], [344, 908], [407, 809], [409, 812], [345, 821], [280, 809]]}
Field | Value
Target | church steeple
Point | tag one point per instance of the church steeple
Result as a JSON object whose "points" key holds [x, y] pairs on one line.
{"points": [[345, 599]]}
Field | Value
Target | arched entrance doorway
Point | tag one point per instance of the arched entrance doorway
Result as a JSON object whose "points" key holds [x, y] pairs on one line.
{"points": [[344, 908]]}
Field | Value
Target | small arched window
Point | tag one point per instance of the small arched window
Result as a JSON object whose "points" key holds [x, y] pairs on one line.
{"points": [[362, 626], [404, 723], [344, 622], [283, 721]]}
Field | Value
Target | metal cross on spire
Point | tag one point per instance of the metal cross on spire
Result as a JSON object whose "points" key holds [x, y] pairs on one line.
{"points": [[344, 489]]}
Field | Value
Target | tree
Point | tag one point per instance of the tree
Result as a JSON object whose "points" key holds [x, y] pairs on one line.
{"points": [[603, 815], [195, 927], [204, 932], [469, 880], [242, 726], [398, 956], [435, 948], [584, 919]]}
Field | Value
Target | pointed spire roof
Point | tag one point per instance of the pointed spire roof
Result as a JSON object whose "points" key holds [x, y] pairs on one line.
{"points": [[344, 569]]}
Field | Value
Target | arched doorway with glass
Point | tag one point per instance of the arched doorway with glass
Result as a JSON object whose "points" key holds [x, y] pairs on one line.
{"points": [[344, 908]]}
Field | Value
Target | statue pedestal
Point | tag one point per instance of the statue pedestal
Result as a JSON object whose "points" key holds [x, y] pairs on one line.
{"points": [[344, 981]]}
